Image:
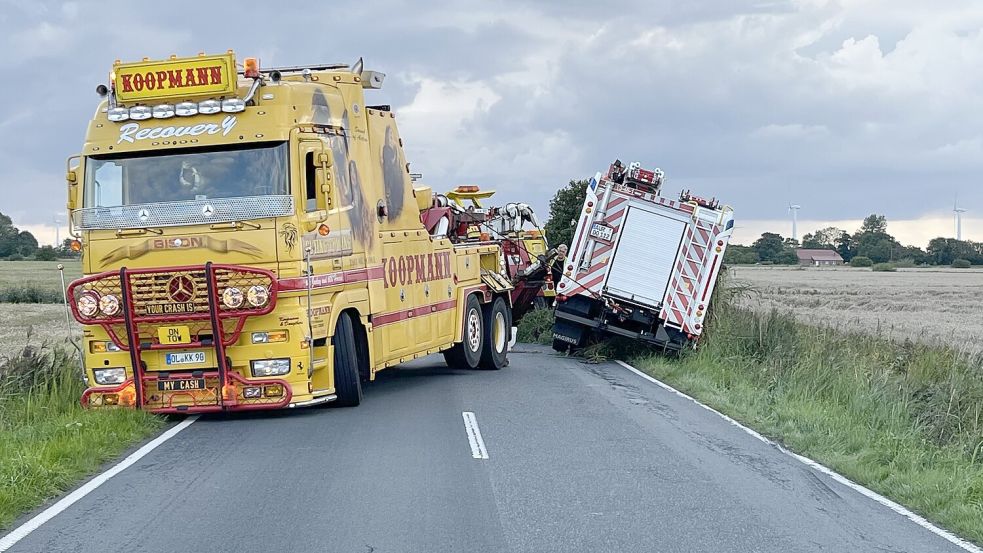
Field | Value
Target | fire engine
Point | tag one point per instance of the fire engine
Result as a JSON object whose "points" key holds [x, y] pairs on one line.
{"points": [[641, 265], [253, 239]]}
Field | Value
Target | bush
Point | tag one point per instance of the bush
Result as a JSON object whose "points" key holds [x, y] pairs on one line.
{"points": [[961, 264], [15, 257], [30, 294], [46, 253], [884, 268], [536, 327], [861, 261]]}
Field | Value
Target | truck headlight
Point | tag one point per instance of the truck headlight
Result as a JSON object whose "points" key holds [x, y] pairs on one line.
{"points": [[115, 375], [88, 303], [257, 295], [207, 107], [270, 367], [118, 114], [186, 109], [139, 113], [232, 297], [233, 105], [109, 305]]}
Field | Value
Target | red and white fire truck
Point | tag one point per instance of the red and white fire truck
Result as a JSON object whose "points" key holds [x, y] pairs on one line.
{"points": [[640, 265]]}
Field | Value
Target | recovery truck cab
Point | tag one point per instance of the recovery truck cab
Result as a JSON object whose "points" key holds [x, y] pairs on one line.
{"points": [[252, 239], [640, 265]]}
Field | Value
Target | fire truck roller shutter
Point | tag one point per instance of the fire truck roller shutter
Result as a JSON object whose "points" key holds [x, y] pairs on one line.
{"points": [[645, 256]]}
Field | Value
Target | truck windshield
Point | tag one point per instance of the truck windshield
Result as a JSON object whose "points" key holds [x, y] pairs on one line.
{"points": [[182, 175]]}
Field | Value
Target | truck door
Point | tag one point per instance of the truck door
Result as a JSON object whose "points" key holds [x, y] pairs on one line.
{"points": [[328, 244]]}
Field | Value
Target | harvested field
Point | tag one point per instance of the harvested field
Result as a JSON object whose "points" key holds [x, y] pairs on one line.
{"points": [[34, 324], [934, 306]]}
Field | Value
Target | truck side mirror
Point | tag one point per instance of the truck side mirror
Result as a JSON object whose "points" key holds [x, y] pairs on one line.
{"points": [[72, 178]]}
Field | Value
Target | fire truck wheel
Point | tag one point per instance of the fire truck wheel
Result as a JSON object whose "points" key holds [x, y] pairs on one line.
{"points": [[468, 353], [498, 327], [348, 385]]}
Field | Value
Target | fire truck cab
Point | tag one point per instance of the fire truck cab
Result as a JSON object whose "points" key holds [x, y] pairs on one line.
{"points": [[252, 239]]}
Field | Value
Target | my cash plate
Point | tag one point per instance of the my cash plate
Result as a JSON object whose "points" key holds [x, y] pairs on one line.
{"points": [[181, 385]]}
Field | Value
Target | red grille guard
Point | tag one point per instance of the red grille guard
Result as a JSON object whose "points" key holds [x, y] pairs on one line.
{"points": [[227, 394]]}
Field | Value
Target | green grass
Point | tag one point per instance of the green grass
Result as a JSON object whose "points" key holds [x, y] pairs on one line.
{"points": [[35, 281], [905, 420], [47, 441]]}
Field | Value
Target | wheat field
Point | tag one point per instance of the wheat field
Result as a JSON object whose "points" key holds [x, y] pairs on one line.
{"points": [[937, 306]]}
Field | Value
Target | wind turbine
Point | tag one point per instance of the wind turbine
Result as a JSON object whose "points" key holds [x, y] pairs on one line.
{"points": [[958, 211], [794, 210], [57, 221]]}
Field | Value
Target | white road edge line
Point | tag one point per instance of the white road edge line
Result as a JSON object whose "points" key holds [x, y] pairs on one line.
{"points": [[896, 507], [478, 450], [23, 530]]}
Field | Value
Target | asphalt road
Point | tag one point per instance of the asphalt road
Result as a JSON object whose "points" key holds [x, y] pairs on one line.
{"points": [[580, 458]]}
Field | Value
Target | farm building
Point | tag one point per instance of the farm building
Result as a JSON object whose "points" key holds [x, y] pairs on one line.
{"points": [[818, 258]]}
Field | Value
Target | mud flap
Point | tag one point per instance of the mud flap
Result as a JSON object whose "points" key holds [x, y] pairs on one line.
{"points": [[570, 333]]}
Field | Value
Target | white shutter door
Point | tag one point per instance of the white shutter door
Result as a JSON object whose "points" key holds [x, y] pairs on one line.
{"points": [[645, 256]]}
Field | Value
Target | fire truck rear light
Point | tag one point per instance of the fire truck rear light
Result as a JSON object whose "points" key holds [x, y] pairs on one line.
{"points": [[251, 68], [252, 392], [561, 298], [697, 326], [720, 242], [139, 113], [186, 109], [273, 391], [208, 107], [699, 313], [562, 285], [163, 111], [701, 307], [590, 204], [118, 114], [233, 105], [719, 249]]}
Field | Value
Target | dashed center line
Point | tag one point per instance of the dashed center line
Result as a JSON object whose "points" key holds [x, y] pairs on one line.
{"points": [[478, 450]]}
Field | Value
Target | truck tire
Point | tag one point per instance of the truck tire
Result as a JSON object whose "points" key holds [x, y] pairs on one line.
{"points": [[467, 353], [560, 346], [347, 383], [498, 327]]}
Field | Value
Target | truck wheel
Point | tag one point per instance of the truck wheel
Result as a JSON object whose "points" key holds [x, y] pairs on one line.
{"points": [[348, 385], [498, 327], [560, 345], [467, 354]]}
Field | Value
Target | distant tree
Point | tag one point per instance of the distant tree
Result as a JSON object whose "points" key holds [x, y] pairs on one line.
{"points": [[773, 248], [27, 244], [874, 224], [873, 241], [736, 254], [861, 261], [844, 246], [822, 239], [46, 253], [564, 208], [943, 251], [915, 254]]}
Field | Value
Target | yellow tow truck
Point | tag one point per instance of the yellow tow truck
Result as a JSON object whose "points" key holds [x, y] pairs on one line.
{"points": [[252, 239]]}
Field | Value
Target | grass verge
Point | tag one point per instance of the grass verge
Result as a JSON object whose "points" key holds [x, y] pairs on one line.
{"points": [[47, 441], [905, 420]]}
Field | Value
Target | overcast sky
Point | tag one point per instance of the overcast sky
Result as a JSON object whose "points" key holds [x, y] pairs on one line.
{"points": [[845, 107]]}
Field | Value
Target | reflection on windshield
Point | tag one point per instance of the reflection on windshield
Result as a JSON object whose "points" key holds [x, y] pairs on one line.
{"points": [[186, 175]]}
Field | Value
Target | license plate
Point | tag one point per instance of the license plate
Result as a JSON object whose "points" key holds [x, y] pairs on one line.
{"points": [[185, 358], [181, 385], [174, 335], [602, 232]]}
